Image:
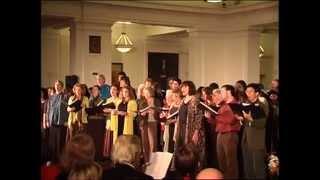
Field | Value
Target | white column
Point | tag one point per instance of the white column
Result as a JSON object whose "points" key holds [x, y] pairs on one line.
{"points": [[276, 55], [83, 63]]}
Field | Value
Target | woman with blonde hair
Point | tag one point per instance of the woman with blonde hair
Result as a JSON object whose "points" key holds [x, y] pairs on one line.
{"points": [[125, 113], [126, 155], [77, 104]]}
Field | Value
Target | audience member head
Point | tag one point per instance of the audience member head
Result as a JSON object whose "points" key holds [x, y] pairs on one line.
{"points": [[186, 160], [252, 91], [213, 86], [227, 92], [80, 150], [125, 81], [176, 82], [275, 85], [95, 91], [100, 79], [114, 90], [126, 93], [188, 88], [58, 86], [127, 149], [217, 96], [148, 82], [92, 171], [209, 173]]}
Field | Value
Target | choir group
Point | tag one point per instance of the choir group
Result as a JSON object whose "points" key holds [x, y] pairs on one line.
{"points": [[233, 128]]}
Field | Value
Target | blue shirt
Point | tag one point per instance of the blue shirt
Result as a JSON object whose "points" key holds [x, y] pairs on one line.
{"points": [[105, 91], [58, 114]]}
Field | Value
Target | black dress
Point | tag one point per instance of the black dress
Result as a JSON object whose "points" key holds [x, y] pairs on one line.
{"points": [[183, 114], [122, 107]]}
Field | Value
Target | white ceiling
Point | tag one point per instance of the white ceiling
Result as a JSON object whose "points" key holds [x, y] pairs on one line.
{"points": [[198, 6]]}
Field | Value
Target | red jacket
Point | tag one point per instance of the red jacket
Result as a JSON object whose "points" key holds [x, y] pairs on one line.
{"points": [[226, 120]]}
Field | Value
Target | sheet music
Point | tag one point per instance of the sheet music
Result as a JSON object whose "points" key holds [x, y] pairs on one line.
{"points": [[145, 109], [208, 107], [159, 164], [172, 115], [100, 103]]}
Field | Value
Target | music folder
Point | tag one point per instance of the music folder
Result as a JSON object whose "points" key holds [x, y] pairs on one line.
{"points": [[76, 104], [208, 108], [173, 115]]}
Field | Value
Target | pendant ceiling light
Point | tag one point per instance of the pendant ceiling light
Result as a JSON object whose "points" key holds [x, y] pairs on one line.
{"points": [[123, 44]]}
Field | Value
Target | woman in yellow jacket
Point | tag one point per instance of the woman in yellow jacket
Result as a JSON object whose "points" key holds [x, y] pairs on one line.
{"points": [[112, 123], [77, 120], [125, 113]]}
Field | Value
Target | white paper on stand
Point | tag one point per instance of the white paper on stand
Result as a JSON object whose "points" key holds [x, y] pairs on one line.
{"points": [[159, 164]]}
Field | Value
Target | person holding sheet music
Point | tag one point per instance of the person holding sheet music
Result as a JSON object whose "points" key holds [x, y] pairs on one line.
{"points": [[170, 123], [253, 140], [191, 127], [96, 122], [77, 120], [125, 113], [210, 131], [227, 128], [57, 118], [152, 116]]}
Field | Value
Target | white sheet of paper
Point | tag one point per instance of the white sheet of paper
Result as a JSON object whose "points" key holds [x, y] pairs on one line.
{"points": [[159, 164]]}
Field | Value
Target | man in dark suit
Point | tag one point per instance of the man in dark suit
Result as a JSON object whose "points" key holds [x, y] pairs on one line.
{"points": [[126, 155], [253, 140]]}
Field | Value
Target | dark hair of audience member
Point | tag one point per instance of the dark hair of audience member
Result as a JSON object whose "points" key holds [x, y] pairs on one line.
{"points": [[80, 150], [85, 90], [192, 87], [186, 160], [230, 88], [213, 86]]}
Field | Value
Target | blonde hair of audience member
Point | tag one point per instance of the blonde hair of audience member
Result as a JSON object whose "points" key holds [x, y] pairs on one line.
{"points": [[92, 171], [148, 92], [209, 173], [127, 150], [77, 90]]}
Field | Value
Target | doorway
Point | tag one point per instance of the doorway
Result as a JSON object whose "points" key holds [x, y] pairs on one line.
{"points": [[161, 66]]}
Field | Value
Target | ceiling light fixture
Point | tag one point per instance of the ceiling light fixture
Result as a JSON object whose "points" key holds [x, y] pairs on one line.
{"points": [[214, 1], [123, 44]]}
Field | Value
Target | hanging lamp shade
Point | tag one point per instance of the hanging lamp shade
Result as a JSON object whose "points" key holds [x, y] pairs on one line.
{"points": [[123, 44]]}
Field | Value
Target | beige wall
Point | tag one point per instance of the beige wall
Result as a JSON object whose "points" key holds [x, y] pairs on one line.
{"points": [[219, 47], [55, 55]]}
